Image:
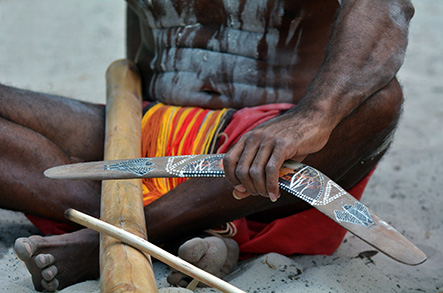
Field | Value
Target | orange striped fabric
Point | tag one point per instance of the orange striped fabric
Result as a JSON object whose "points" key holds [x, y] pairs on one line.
{"points": [[173, 131]]}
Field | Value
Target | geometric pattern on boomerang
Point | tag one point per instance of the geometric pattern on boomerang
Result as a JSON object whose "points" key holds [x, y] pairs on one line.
{"points": [[300, 180]]}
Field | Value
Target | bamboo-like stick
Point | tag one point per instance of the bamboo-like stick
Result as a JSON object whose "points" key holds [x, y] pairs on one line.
{"points": [[123, 268], [150, 248]]}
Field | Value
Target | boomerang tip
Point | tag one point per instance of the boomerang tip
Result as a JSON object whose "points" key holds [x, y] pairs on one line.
{"points": [[412, 256], [415, 259], [58, 172], [397, 247], [51, 173], [422, 259]]}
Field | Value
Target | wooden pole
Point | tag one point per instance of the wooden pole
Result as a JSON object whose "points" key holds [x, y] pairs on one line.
{"points": [[123, 268], [153, 250]]}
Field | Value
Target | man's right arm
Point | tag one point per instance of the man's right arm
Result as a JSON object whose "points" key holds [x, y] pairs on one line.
{"points": [[365, 52]]}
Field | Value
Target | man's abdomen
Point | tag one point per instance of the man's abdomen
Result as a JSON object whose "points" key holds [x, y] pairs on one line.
{"points": [[230, 69], [255, 55]]}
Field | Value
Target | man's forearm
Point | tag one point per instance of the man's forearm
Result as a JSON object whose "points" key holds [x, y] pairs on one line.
{"points": [[366, 50]]}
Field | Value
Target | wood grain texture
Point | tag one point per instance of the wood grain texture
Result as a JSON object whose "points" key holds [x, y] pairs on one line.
{"points": [[122, 267]]}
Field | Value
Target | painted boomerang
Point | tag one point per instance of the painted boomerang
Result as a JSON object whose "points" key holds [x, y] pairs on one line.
{"points": [[298, 179]]}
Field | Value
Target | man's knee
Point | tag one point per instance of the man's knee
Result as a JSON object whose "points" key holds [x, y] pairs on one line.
{"points": [[387, 104], [365, 136], [386, 107]]}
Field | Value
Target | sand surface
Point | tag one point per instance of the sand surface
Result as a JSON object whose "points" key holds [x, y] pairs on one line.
{"points": [[64, 47]]}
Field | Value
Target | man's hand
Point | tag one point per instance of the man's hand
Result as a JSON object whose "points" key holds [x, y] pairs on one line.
{"points": [[252, 165]]}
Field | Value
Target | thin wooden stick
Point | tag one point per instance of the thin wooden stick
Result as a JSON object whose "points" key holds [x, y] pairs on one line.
{"points": [[123, 268], [193, 284], [150, 248]]}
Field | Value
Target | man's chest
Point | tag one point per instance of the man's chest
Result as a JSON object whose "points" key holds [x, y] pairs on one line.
{"points": [[253, 15]]}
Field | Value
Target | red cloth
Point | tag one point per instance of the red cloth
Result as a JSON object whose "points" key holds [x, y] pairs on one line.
{"points": [[50, 227], [308, 232], [246, 119]]}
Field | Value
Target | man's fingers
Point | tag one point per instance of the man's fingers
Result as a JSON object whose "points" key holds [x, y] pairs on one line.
{"points": [[252, 166], [240, 188], [230, 163], [249, 147], [243, 171], [237, 163], [258, 168], [272, 174], [240, 195]]}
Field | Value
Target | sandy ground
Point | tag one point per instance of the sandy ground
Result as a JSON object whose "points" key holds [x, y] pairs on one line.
{"points": [[64, 47]]}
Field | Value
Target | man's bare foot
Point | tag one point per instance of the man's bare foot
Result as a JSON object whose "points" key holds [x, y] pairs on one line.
{"points": [[56, 262], [216, 255]]}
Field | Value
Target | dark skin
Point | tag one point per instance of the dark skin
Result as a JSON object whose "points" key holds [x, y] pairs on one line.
{"points": [[348, 104]]}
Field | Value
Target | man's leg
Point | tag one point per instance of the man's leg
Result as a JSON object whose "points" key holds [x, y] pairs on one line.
{"points": [[39, 131]]}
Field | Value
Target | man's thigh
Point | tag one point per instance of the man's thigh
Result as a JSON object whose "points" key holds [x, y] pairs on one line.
{"points": [[76, 127]]}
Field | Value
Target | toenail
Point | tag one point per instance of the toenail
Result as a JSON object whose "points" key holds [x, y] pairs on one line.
{"points": [[22, 249], [27, 247], [50, 286], [43, 260], [49, 273]]}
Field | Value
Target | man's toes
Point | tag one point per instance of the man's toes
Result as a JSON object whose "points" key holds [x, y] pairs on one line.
{"points": [[24, 248], [232, 256], [215, 256], [51, 285], [178, 279], [49, 273], [44, 260], [208, 254], [193, 250]]}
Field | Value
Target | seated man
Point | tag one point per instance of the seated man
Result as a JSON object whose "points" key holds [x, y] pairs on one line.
{"points": [[335, 63]]}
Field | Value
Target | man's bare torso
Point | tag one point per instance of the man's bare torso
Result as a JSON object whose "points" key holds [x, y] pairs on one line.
{"points": [[228, 53]]}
